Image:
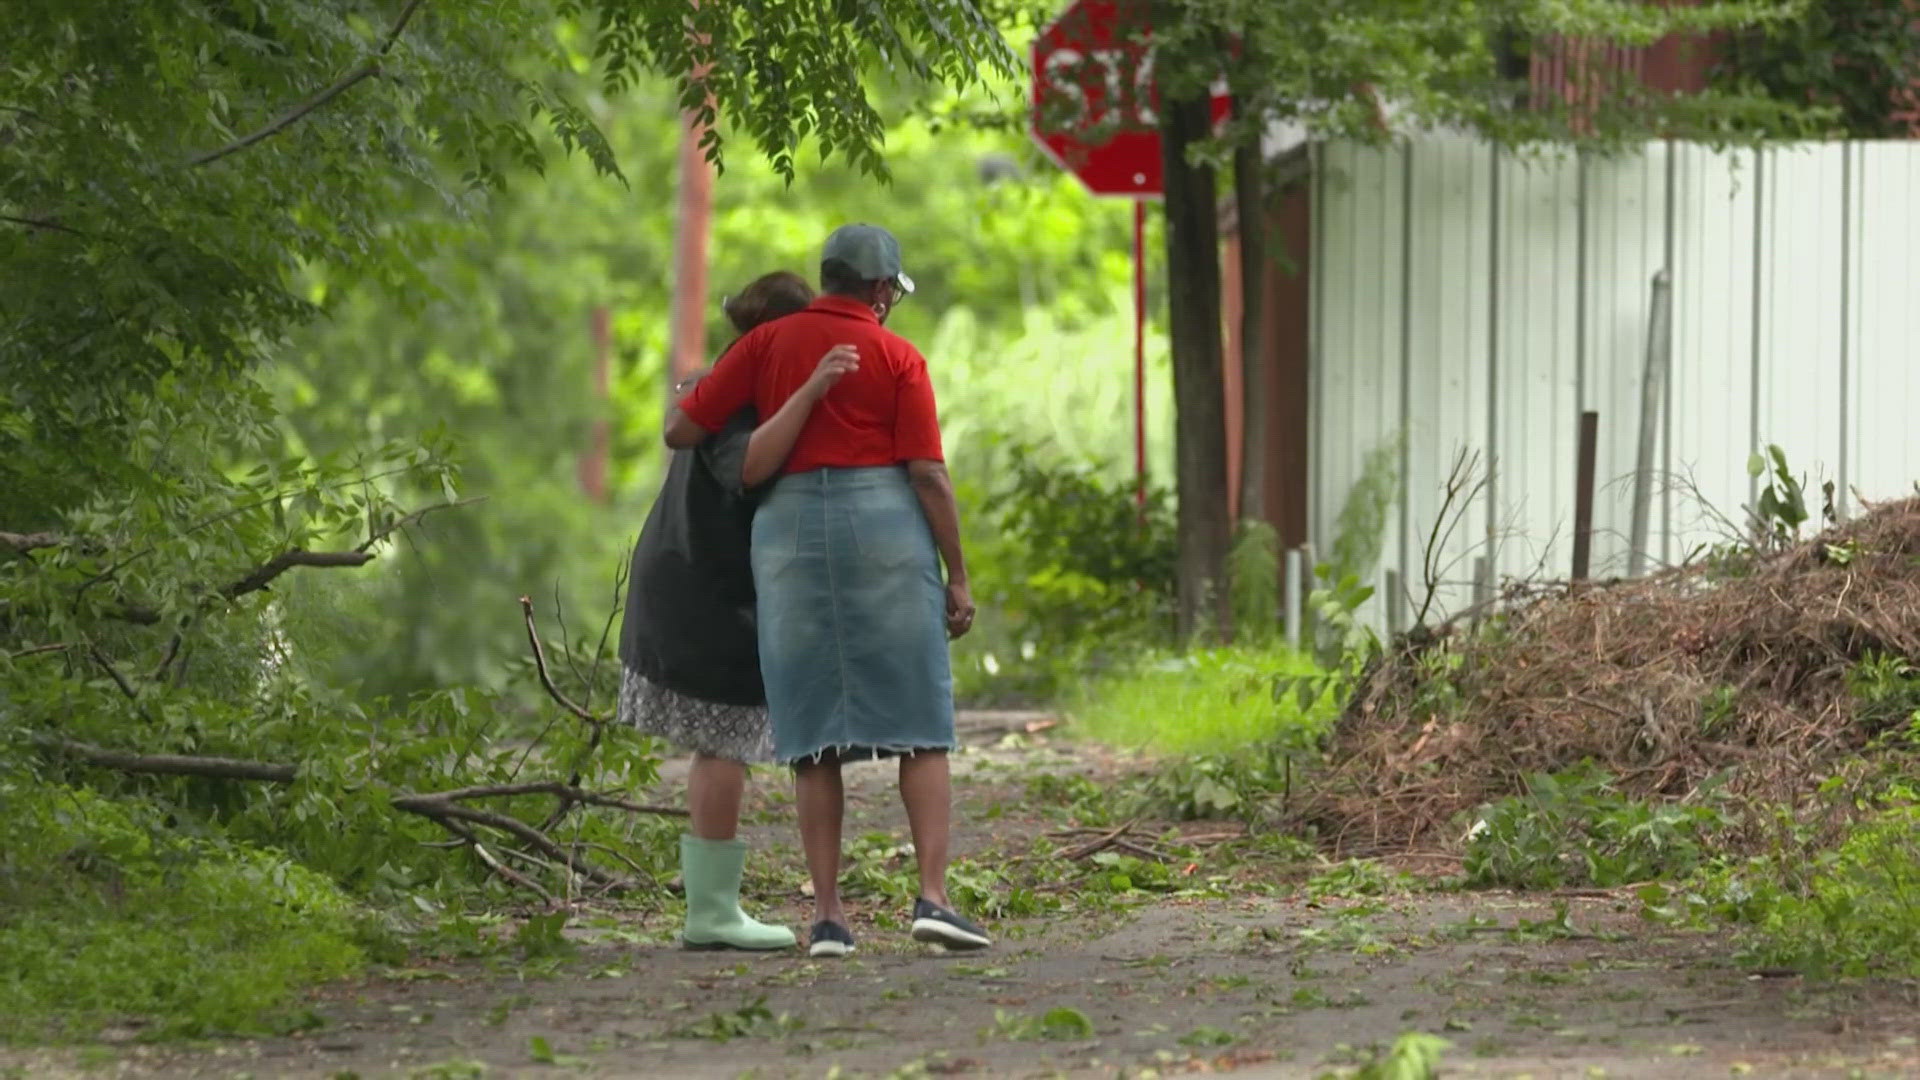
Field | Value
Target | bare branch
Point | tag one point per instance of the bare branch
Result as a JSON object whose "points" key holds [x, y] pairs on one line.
{"points": [[554, 787], [175, 764], [439, 807], [114, 673], [38, 650], [512, 876], [228, 514], [173, 653], [273, 772], [540, 663], [42, 224], [21, 543], [261, 576], [374, 536], [366, 69], [566, 643]]}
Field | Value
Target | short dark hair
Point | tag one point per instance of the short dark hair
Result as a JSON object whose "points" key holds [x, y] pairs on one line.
{"points": [[767, 298], [837, 278]]}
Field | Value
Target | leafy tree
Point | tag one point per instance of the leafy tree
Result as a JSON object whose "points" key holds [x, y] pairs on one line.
{"points": [[184, 187], [1860, 58]]}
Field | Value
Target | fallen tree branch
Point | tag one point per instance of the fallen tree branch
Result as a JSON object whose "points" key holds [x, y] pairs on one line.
{"points": [[21, 543], [508, 873], [555, 787], [176, 764], [439, 808], [1101, 843], [366, 69], [263, 575], [275, 772]]}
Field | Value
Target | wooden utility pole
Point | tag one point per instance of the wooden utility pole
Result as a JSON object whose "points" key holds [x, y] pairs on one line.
{"points": [[688, 351]]}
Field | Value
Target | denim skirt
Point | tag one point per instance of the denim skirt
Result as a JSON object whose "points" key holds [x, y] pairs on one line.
{"points": [[852, 617]]}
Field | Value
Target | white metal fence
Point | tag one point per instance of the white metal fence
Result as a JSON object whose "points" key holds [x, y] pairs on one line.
{"points": [[1467, 299]]}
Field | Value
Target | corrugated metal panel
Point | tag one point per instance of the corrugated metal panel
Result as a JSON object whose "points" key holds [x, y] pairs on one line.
{"points": [[1357, 369], [1526, 296], [1713, 279], [1448, 364], [1626, 214], [1884, 444], [1798, 389], [1537, 384]]}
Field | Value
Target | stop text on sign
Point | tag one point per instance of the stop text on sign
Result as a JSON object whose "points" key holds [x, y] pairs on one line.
{"points": [[1089, 90]]}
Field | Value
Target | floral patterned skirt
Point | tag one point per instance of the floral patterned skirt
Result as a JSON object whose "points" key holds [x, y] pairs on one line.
{"points": [[733, 732]]}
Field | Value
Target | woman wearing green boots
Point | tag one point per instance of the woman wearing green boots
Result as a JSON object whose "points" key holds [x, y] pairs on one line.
{"points": [[690, 663]]}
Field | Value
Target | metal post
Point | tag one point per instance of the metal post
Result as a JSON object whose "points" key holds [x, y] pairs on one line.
{"points": [[1652, 386], [1293, 598], [1140, 351], [1583, 470], [1396, 604]]}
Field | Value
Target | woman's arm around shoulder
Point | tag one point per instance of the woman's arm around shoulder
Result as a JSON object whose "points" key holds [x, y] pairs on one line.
{"points": [[773, 440], [715, 398]]}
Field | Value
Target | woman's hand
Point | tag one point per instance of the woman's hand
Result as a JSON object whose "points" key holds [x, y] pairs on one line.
{"points": [[959, 608], [839, 361]]}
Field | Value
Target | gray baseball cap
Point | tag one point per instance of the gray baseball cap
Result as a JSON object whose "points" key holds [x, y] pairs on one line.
{"points": [[869, 251]]}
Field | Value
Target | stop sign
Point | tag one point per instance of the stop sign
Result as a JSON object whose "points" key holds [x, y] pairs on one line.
{"points": [[1094, 98]]}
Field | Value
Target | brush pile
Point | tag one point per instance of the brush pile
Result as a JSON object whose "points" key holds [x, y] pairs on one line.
{"points": [[1765, 670]]}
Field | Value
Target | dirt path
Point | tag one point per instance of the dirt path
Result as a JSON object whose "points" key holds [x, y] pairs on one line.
{"points": [[1223, 968]]}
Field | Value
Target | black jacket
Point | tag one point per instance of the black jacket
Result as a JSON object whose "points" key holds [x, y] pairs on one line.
{"points": [[689, 619]]}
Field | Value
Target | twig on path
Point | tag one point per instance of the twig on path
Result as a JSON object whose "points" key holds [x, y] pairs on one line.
{"points": [[507, 873], [1101, 844], [1141, 850], [1209, 839]]}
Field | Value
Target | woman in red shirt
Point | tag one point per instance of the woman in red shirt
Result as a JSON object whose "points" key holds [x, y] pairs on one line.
{"points": [[854, 616]]}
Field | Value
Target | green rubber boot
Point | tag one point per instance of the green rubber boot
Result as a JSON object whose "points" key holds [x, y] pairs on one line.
{"points": [[710, 870]]}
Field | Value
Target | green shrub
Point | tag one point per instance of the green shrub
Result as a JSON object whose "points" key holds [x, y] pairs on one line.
{"points": [[1573, 828], [1070, 573], [105, 915], [1851, 911]]}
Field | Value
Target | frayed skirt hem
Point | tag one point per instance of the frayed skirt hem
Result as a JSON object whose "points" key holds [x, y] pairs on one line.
{"points": [[855, 752]]}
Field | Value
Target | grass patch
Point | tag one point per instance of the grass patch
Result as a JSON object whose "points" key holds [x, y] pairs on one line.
{"points": [[1208, 701], [107, 915]]}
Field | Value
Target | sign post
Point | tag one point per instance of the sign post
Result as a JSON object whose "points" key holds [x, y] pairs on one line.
{"points": [[1094, 113]]}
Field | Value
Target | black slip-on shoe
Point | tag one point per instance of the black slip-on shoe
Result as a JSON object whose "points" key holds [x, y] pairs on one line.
{"points": [[936, 925], [829, 939]]}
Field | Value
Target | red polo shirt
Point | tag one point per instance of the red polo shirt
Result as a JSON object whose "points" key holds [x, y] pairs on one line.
{"points": [[882, 414]]}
